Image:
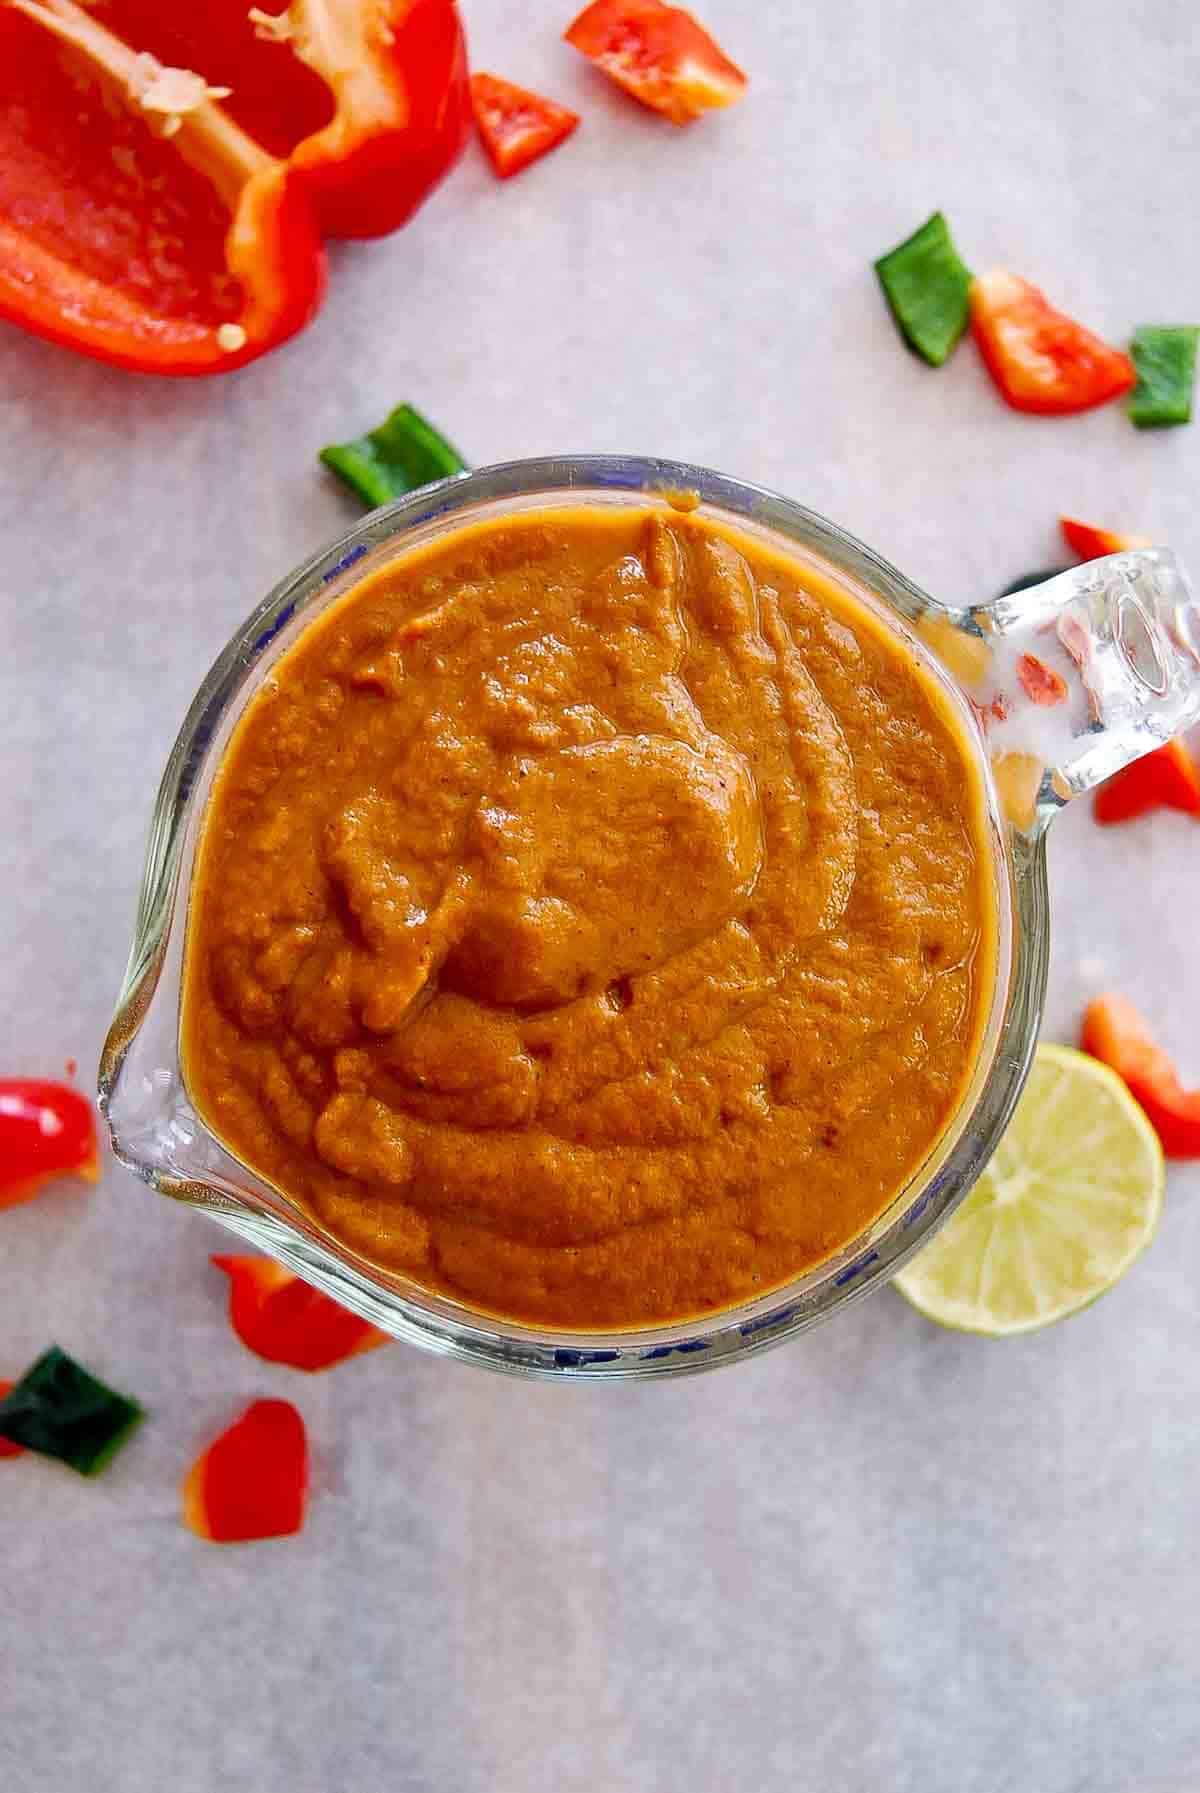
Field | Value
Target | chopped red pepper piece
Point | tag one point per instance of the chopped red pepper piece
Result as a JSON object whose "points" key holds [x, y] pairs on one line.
{"points": [[1091, 543], [165, 182], [1115, 1032], [1040, 683], [1040, 359], [659, 54], [1166, 778], [278, 1316], [517, 126], [252, 1481], [7, 1447], [46, 1130]]}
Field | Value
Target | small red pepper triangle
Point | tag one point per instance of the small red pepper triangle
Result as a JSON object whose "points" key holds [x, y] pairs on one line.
{"points": [[252, 1481], [1167, 778], [517, 126], [1040, 359], [47, 1130], [7, 1447], [1115, 1033], [279, 1317], [1091, 543]]}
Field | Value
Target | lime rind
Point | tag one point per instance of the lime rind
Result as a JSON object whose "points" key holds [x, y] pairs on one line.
{"points": [[1070, 1200]]}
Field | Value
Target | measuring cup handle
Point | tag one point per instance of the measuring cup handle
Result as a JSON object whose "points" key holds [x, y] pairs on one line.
{"points": [[1074, 678]]}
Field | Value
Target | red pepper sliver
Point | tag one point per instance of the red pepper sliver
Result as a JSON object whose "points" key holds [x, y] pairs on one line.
{"points": [[1167, 778], [660, 54], [7, 1447], [1042, 360], [1040, 683], [252, 1481], [517, 126], [280, 1317], [1091, 543], [1115, 1033], [47, 1130]]}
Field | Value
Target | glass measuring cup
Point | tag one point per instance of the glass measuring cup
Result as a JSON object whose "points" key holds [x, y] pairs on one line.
{"points": [[1057, 686]]}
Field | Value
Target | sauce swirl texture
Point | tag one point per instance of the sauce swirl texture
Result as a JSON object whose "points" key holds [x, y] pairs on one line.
{"points": [[593, 919]]}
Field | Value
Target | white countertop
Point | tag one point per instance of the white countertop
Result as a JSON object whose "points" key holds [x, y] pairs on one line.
{"points": [[884, 1559]]}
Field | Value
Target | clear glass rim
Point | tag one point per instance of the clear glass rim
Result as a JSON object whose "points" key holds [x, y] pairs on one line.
{"points": [[259, 1214]]}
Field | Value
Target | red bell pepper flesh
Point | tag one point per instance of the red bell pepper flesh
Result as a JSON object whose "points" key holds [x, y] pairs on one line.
{"points": [[1042, 360], [274, 97], [660, 54], [367, 101], [517, 126], [1091, 543], [403, 115], [7, 1447], [279, 1317], [74, 172], [1167, 778], [252, 1481], [195, 252], [186, 254], [1114, 1032], [46, 1130]]}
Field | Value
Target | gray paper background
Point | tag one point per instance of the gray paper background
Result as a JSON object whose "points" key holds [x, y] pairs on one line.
{"points": [[885, 1559]]}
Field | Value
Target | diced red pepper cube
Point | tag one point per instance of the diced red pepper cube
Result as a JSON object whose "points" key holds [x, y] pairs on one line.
{"points": [[252, 1481]]}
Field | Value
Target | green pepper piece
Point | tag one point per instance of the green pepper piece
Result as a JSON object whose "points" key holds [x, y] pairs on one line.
{"points": [[57, 1408], [403, 453], [927, 286], [1165, 358]]}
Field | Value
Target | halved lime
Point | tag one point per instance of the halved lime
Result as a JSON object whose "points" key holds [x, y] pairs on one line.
{"points": [[1071, 1197]]}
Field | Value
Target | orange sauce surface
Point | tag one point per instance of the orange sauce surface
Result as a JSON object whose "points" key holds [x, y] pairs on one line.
{"points": [[594, 918]]}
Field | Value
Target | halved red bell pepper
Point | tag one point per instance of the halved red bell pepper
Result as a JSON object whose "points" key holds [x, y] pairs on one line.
{"points": [[7, 1447], [280, 1317], [1091, 543], [167, 172], [47, 1130], [252, 1481], [1115, 1032], [517, 126], [659, 54], [1041, 359], [1166, 778]]}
